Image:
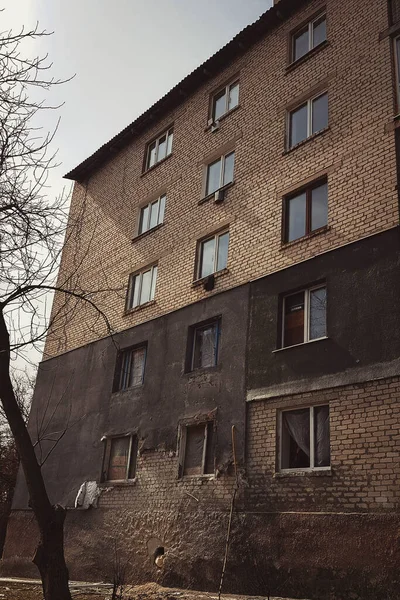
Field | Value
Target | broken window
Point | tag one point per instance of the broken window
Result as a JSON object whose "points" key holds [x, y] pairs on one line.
{"points": [[198, 449], [304, 316], [132, 367], [305, 438], [205, 346], [120, 459]]}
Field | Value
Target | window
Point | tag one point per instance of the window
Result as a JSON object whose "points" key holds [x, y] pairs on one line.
{"points": [[225, 100], [197, 449], [120, 458], [308, 37], [305, 211], [160, 148], [305, 439], [213, 254], [397, 62], [132, 367], [152, 214], [304, 316], [307, 119], [142, 287], [205, 346], [220, 173]]}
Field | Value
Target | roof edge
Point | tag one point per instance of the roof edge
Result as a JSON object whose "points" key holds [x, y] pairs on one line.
{"points": [[238, 46]]}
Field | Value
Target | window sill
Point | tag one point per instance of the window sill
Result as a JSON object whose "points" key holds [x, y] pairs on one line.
{"points": [[199, 282], [160, 162], [322, 472], [304, 58], [126, 391], [198, 373], [118, 483], [140, 307], [300, 345], [211, 196], [309, 139], [146, 233], [186, 478], [311, 235], [222, 117]]}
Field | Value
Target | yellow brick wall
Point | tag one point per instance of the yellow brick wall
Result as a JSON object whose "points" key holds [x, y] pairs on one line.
{"points": [[364, 443], [357, 152]]}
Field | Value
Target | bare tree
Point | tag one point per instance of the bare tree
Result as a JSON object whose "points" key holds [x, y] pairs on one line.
{"points": [[32, 231]]}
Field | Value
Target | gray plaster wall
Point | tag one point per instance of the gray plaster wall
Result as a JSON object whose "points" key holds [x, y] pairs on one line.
{"points": [[75, 389], [363, 321]]}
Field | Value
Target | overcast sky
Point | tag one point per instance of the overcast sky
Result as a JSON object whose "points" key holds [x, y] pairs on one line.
{"points": [[125, 55]]}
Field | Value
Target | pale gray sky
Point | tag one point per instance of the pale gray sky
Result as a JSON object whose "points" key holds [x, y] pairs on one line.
{"points": [[125, 55]]}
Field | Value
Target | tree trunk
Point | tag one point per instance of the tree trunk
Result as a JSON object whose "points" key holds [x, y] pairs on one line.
{"points": [[49, 556]]}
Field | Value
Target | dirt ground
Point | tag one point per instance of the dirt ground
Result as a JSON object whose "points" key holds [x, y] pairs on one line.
{"points": [[12, 589]]}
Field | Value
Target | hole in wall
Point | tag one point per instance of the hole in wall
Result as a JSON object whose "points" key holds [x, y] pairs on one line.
{"points": [[159, 557]]}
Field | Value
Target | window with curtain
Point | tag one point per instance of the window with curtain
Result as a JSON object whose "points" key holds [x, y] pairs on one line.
{"points": [[305, 438], [205, 346]]}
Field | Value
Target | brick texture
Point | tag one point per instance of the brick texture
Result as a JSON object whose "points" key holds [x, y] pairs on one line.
{"points": [[365, 455], [357, 152]]}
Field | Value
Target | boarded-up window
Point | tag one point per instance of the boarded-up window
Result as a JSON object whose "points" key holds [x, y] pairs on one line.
{"points": [[121, 460], [198, 449]]}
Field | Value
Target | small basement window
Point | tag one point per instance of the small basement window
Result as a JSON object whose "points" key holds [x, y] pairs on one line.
{"points": [[197, 449], [305, 439]]}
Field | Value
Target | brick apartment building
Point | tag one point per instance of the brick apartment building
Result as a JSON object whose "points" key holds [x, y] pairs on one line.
{"points": [[242, 239]]}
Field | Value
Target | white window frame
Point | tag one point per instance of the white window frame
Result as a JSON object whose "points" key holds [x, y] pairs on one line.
{"points": [[396, 41], [310, 26], [108, 457], [215, 236], [167, 133], [149, 205], [182, 449], [307, 292], [128, 355], [222, 185], [130, 294], [227, 89], [309, 104], [312, 441]]}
